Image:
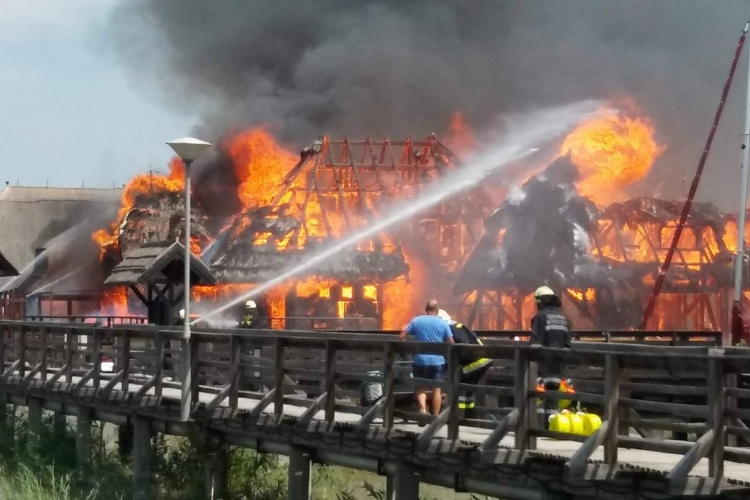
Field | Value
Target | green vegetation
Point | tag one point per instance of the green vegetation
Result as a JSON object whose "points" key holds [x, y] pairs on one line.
{"points": [[44, 466]]}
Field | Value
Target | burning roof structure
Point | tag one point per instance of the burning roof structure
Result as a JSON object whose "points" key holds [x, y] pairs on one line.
{"points": [[285, 208], [259, 210], [604, 260]]}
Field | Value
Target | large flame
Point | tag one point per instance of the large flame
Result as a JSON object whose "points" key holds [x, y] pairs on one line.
{"points": [[261, 165], [140, 185], [611, 153]]}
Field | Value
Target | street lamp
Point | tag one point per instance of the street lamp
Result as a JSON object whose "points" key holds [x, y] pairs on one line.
{"points": [[188, 149]]}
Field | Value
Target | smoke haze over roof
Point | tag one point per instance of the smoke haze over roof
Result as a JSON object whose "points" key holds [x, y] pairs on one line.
{"points": [[398, 68]]}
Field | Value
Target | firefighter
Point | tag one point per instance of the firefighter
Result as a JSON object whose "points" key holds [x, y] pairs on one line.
{"points": [[180, 321], [550, 328], [473, 367], [252, 319]]}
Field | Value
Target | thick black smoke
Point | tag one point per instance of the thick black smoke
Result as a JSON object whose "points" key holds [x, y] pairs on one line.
{"points": [[401, 68]]}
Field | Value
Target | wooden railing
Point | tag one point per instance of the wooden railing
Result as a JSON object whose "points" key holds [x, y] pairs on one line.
{"points": [[91, 320], [695, 392]]}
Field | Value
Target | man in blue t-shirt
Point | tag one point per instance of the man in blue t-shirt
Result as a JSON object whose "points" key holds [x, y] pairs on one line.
{"points": [[429, 328]]}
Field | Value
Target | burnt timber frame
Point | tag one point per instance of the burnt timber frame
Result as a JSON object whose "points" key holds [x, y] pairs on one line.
{"points": [[44, 366], [696, 295], [360, 177]]}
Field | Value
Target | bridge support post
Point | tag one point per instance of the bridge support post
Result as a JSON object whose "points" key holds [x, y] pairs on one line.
{"points": [[125, 439], [35, 417], [83, 435], [390, 487], [216, 471], [141, 458], [60, 421], [299, 474], [405, 483], [548, 494]]}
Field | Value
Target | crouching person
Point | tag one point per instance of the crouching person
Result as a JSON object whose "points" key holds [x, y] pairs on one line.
{"points": [[473, 367]]}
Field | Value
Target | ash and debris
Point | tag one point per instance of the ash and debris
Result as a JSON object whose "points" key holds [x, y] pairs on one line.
{"points": [[546, 233], [540, 234]]}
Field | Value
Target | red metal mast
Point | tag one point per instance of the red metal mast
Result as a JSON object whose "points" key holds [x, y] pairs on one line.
{"points": [[694, 186]]}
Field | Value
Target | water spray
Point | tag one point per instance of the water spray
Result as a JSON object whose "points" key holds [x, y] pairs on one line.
{"points": [[524, 136]]}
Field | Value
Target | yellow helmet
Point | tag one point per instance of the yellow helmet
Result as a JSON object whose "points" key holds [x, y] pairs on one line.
{"points": [[542, 291]]}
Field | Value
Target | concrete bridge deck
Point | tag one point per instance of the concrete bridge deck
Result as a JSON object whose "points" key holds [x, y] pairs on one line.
{"points": [[690, 391]]}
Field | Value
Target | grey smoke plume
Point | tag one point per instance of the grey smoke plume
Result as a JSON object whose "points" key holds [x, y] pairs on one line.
{"points": [[391, 67]]}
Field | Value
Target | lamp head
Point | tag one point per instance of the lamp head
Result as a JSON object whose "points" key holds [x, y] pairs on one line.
{"points": [[189, 148]]}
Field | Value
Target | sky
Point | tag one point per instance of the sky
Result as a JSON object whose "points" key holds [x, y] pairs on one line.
{"points": [[70, 112]]}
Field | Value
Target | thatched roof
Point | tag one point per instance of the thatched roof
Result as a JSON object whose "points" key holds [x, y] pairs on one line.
{"points": [[30, 217], [256, 264], [158, 262]]}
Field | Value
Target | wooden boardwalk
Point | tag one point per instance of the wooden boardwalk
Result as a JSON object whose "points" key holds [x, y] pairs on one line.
{"points": [[305, 404]]}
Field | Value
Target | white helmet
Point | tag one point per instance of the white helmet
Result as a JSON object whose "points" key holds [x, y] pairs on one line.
{"points": [[182, 313], [444, 315], [250, 304], [542, 291]]}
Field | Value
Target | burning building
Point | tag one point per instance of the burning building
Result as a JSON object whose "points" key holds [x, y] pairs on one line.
{"points": [[260, 210], [284, 207]]}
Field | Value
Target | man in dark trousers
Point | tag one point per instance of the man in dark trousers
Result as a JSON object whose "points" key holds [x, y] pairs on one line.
{"points": [[251, 320], [550, 328], [473, 367]]}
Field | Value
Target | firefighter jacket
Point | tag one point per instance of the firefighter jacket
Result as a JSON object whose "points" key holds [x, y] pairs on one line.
{"points": [[470, 363], [252, 321], [550, 328]]}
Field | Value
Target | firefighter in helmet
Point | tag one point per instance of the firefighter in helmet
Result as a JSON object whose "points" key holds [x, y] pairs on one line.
{"points": [[251, 318], [180, 321], [550, 328], [473, 367]]}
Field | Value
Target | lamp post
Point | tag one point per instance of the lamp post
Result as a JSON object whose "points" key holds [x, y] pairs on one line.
{"points": [[188, 149]]}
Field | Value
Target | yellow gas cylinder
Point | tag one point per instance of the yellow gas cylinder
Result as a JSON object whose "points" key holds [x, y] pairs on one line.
{"points": [[576, 424], [560, 422], [591, 423]]}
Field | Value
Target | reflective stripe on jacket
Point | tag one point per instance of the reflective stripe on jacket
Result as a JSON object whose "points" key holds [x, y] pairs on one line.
{"points": [[463, 335], [466, 402]]}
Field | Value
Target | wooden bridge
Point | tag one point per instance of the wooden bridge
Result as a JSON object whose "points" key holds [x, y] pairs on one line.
{"points": [[672, 407]]}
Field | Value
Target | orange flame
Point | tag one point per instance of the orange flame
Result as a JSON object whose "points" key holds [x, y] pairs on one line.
{"points": [[611, 152], [261, 165], [139, 185]]}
